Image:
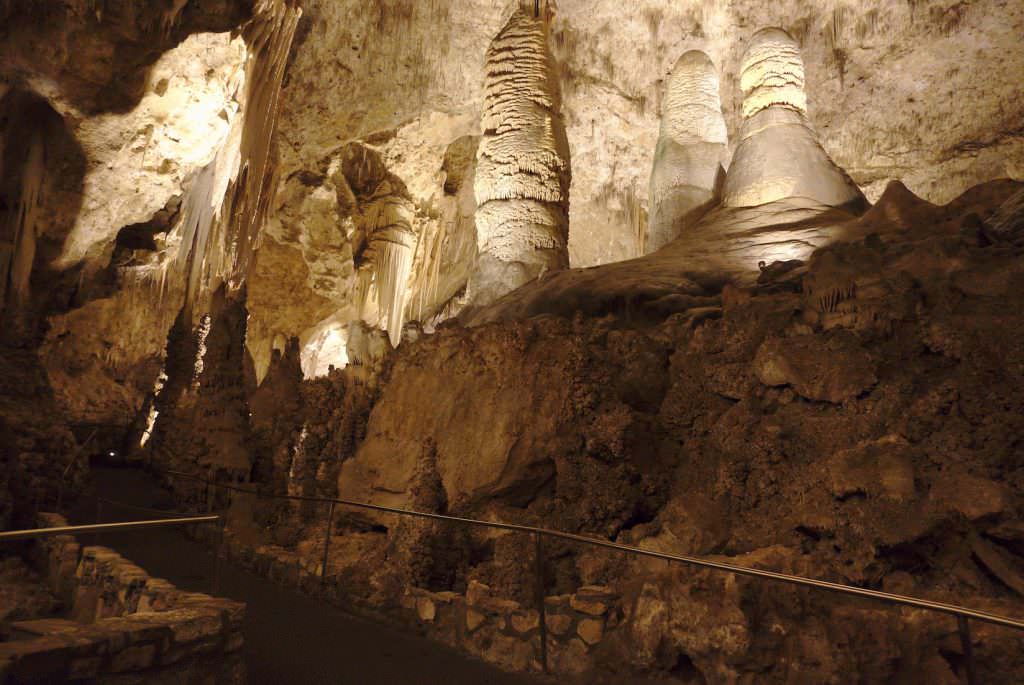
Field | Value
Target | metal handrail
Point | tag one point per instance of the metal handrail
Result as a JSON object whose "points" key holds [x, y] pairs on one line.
{"points": [[36, 533], [690, 560], [32, 533], [962, 614]]}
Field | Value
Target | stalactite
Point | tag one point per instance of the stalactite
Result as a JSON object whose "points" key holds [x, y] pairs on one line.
{"points": [[198, 225], [522, 175], [269, 38], [386, 237], [226, 206], [387, 260], [26, 220]]}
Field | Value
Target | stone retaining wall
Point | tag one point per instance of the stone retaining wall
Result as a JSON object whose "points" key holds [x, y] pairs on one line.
{"points": [[505, 633], [123, 626], [500, 631]]}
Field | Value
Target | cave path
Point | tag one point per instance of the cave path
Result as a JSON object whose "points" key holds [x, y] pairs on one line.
{"points": [[290, 638]]}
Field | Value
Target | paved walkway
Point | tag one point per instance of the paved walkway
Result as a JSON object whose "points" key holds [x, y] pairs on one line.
{"points": [[290, 639]]}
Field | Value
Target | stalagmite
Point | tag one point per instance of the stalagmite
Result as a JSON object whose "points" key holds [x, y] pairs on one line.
{"points": [[692, 148], [522, 177], [778, 155]]}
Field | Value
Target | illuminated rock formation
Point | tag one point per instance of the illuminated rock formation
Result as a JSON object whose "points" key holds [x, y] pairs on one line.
{"points": [[221, 219], [522, 176], [382, 212], [225, 209], [688, 162], [778, 155]]}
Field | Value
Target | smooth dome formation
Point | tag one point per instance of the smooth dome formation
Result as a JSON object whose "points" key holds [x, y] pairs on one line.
{"points": [[692, 148]]}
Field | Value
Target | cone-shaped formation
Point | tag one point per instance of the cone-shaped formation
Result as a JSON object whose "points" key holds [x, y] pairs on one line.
{"points": [[522, 177], [692, 147], [778, 155]]}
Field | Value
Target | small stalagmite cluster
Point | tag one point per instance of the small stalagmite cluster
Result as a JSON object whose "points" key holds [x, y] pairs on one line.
{"points": [[523, 170]]}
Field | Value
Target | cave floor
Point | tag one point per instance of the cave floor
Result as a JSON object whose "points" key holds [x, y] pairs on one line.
{"points": [[289, 637]]}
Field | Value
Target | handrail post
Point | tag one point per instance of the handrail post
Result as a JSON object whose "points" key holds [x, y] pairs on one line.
{"points": [[540, 592], [219, 554], [965, 642], [327, 545]]}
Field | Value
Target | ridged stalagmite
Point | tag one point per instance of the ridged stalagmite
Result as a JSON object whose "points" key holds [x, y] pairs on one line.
{"points": [[778, 155], [522, 177], [692, 148]]}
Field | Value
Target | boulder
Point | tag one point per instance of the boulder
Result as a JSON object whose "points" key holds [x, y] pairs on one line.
{"points": [[831, 368]]}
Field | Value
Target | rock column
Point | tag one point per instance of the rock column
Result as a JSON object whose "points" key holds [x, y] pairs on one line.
{"points": [[523, 174]]}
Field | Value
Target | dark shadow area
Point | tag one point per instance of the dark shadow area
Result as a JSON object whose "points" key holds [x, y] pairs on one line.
{"points": [[41, 188], [290, 638], [113, 47]]}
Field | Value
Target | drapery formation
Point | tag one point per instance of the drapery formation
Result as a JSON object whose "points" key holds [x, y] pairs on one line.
{"points": [[226, 206]]}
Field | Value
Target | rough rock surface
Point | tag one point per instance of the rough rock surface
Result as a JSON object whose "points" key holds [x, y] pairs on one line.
{"points": [[789, 385], [874, 448]]}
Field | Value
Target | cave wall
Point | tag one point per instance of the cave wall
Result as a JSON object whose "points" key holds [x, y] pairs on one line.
{"points": [[148, 126]]}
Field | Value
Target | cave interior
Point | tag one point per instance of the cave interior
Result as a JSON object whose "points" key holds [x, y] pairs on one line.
{"points": [[577, 339]]}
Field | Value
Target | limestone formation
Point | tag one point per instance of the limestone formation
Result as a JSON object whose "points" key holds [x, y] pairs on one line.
{"points": [[778, 155], [790, 386], [40, 171], [522, 175], [692, 148], [227, 205], [382, 211]]}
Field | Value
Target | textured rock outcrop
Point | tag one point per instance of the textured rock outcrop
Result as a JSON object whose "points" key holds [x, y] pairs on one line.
{"points": [[758, 429], [522, 174], [778, 155], [203, 423], [692, 150]]}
